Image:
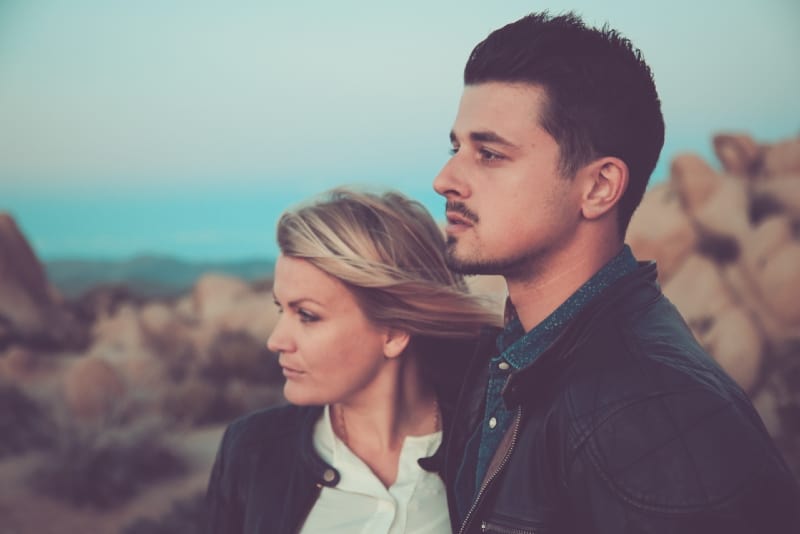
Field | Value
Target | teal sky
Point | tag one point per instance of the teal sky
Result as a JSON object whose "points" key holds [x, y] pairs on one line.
{"points": [[185, 127]]}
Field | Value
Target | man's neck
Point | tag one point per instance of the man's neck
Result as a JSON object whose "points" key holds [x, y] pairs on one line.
{"points": [[539, 294]]}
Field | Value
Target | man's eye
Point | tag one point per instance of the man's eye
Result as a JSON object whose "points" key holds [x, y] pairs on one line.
{"points": [[280, 308], [488, 155], [453, 151]]}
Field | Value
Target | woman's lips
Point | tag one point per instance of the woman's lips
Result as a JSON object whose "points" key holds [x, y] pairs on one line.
{"points": [[290, 372]]}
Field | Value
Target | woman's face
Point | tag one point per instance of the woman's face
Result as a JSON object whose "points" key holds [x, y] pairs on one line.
{"points": [[327, 348]]}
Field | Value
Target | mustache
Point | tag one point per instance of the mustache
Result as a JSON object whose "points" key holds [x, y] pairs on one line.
{"points": [[461, 209]]}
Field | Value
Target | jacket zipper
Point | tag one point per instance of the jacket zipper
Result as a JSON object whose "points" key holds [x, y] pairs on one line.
{"points": [[488, 481], [499, 529]]}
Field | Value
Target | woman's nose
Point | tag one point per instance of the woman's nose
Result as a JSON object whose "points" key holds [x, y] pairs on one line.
{"points": [[280, 339]]}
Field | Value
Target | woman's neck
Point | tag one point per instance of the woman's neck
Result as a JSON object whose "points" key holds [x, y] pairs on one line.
{"points": [[375, 423]]}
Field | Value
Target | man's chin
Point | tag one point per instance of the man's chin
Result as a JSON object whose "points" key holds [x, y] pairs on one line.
{"points": [[474, 266], [466, 266]]}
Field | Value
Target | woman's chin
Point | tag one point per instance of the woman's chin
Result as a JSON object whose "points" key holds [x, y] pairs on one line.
{"points": [[299, 395]]}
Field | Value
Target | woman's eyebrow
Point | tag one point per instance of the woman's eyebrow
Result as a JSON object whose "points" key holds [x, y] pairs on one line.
{"points": [[296, 302]]}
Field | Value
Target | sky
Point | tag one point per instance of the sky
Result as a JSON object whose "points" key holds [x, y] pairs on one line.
{"points": [[185, 127]]}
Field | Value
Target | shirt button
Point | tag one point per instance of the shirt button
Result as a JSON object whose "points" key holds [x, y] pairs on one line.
{"points": [[492, 422], [503, 366], [328, 475], [384, 506]]}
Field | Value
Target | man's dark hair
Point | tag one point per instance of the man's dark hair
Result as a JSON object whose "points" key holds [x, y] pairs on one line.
{"points": [[601, 98]]}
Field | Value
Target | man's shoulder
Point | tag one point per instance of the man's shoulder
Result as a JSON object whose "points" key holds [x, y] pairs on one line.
{"points": [[652, 366], [666, 428]]}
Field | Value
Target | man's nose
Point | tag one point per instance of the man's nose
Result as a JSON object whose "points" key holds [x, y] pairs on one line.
{"points": [[450, 181]]}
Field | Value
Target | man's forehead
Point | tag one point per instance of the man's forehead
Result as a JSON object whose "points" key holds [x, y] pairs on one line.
{"points": [[498, 108]]}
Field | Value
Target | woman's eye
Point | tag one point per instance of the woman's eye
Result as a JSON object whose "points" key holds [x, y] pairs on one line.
{"points": [[306, 316], [453, 151]]}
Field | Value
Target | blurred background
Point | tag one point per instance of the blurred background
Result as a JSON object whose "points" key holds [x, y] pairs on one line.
{"points": [[147, 150]]}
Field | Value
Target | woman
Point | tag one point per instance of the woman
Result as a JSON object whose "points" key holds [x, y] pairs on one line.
{"points": [[373, 332]]}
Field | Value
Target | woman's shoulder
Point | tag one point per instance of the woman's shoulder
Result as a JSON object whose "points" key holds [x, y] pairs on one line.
{"points": [[268, 425]]}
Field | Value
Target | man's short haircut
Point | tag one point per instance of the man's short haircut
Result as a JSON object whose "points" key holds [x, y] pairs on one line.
{"points": [[601, 98]]}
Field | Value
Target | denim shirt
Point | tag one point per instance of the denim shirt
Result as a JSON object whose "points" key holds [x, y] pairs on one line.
{"points": [[518, 349]]}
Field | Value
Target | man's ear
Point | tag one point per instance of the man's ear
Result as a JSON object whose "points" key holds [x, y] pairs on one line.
{"points": [[395, 343], [606, 179]]}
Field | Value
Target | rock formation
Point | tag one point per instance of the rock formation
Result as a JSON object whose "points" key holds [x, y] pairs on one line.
{"points": [[29, 311], [728, 248]]}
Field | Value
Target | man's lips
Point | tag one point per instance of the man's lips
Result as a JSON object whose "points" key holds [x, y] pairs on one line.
{"points": [[457, 219], [457, 223]]}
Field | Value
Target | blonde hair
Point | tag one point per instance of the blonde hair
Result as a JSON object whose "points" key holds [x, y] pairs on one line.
{"points": [[389, 252]]}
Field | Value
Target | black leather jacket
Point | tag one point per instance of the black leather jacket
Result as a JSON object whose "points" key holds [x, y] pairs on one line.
{"points": [[624, 425], [267, 474]]}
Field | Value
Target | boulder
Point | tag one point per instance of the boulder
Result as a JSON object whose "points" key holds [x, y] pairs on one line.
{"points": [[736, 343], [764, 241], [185, 308], [158, 320], [216, 294], [28, 311], [779, 281], [782, 192], [18, 364], [699, 292], [767, 279], [660, 230], [119, 336], [782, 158], [694, 180], [122, 340], [742, 156], [724, 213], [254, 313], [93, 389], [739, 154]]}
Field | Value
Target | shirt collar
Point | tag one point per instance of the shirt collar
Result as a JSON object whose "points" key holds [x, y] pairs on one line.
{"points": [[520, 349]]}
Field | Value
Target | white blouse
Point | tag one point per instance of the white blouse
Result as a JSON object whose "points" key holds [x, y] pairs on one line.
{"points": [[415, 504]]}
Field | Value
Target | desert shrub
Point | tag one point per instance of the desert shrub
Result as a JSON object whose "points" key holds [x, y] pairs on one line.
{"points": [[24, 425], [196, 402], [97, 467], [102, 300], [239, 355], [185, 517], [177, 354]]}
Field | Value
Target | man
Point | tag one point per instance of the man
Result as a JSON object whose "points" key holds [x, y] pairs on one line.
{"points": [[598, 411]]}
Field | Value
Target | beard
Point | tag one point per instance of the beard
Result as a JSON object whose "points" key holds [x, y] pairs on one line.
{"points": [[512, 267]]}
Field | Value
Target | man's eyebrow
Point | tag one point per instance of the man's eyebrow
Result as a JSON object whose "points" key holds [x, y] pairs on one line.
{"points": [[490, 137], [485, 136]]}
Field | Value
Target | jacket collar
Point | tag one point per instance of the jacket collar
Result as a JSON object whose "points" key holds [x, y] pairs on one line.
{"points": [[324, 474], [629, 292]]}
